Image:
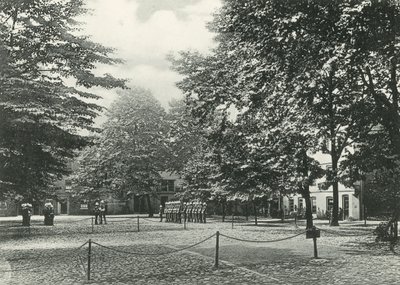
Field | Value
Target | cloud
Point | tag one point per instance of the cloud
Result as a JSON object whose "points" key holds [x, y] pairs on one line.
{"points": [[143, 32], [148, 7]]}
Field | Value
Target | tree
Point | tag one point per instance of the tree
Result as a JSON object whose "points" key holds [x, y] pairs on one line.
{"points": [[376, 164], [42, 116], [242, 76], [131, 150], [297, 46], [184, 138]]}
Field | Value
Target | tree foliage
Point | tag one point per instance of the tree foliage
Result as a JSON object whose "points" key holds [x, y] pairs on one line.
{"points": [[131, 149], [42, 116], [327, 65]]}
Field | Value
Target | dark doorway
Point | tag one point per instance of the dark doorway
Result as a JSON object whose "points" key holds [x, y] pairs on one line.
{"points": [[64, 208], [164, 199], [346, 207]]}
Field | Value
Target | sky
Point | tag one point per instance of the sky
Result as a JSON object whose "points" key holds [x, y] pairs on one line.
{"points": [[143, 33]]}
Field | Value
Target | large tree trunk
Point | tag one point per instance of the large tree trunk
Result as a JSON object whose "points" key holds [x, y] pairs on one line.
{"points": [[335, 194], [223, 211], [309, 218], [149, 206], [255, 212]]}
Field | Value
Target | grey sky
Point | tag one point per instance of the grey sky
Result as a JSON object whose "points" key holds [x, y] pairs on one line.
{"points": [[143, 32]]}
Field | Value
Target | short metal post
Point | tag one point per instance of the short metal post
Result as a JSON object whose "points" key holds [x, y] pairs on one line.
{"points": [[216, 249], [184, 224], [92, 225], [315, 246], [138, 227], [232, 221], [89, 255]]}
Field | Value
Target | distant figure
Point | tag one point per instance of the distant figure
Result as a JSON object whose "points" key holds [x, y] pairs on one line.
{"points": [[26, 214], [161, 212], [96, 212], [103, 211], [48, 214]]}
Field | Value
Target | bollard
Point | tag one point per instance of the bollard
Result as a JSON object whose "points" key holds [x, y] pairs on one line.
{"points": [[313, 233], [138, 227], [315, 246], [232, 221], [184, 224], [216, 249], [92, 226], [89, 255]]}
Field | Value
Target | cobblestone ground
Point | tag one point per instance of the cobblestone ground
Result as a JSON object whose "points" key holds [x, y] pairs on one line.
{"points": [[122, 255]]}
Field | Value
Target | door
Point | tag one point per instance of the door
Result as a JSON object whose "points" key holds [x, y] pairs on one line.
{"points": [[164, 199], [64, 208], [346, 206]]}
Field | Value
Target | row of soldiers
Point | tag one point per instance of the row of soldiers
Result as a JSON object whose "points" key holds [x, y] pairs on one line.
{"points": [[189, 212]]}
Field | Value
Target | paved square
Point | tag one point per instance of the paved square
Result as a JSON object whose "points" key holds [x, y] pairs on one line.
{"points": [[161, 253]]}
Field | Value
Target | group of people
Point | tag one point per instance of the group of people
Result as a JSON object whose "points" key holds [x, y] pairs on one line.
{"points": [[100, 211], [189, 212]]}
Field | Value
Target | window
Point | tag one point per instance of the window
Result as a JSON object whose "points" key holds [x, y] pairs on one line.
{"points": [[314, 204], [291, 204], [68, 184], [300, 203], [167, 186], [3, 205], [329, 204]]}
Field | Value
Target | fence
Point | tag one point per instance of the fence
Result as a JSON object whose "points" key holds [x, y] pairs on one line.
{"points": [[87, 254], [86, 226]]}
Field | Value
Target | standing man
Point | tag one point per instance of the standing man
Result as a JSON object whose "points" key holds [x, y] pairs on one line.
{"points": [[96, 212], [161, 212], [103, 211]]}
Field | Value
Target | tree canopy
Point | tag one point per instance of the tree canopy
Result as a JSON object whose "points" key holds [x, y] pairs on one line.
{"points": [[131, 151], [303, 72], [42, 116]]}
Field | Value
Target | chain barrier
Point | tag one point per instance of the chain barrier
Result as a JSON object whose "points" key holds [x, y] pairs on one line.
{"points": [[147, 219], [126, 218], [11, 226], [153, 254], [72, 222], [47, 256], [262, 241]]}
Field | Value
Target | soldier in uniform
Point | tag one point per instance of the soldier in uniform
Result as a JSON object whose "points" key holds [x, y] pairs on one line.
{"points": [[189, 211], [161, 212], [179, 213], [175, 212], [103, 211], [96, 212], [200, 212], [184, 211], [167, 207], [204, 212]]}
